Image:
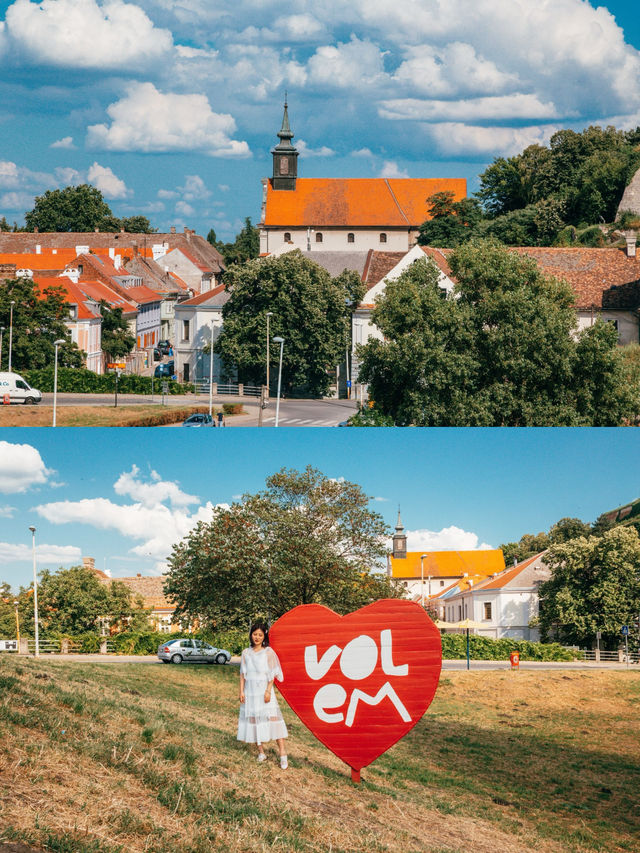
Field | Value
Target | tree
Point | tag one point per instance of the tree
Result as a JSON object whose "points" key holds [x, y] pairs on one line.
{"points": [[38, 321], [72, 601], [451, 223], [311, 311], [595, 586], [117, 340], [245, 247], [567, 529], [305, 539], [502, 352], [137, 225], [529, 545], [80, 208]]}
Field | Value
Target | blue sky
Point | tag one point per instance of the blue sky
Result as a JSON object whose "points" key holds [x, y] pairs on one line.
{"points": [[171, 109], [125, 496]]}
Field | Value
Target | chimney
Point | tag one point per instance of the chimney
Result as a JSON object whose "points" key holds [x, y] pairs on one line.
{"points": [[89, 562], [96, 230], [138, 575], [38, 249], [112, 253], [35, 230], [631, 237], [122, 230], [173, 229]]}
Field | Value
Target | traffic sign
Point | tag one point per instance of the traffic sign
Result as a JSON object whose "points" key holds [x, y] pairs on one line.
{"points": [[624, 630], [113, 365]]}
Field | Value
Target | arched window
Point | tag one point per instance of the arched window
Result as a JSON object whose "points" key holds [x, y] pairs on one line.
{"points": [[287, 236], [383, 238], [318, 237], [351, 238]]}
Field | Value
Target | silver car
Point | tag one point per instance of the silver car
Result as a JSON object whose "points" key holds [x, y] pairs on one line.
{"points": [[191, 651]]}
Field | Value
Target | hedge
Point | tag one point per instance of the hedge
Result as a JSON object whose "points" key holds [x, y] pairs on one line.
{"points": [[454, 647], [82, 381]]}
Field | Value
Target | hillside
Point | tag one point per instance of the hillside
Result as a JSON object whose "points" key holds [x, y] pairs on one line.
{"points": [[100, 757]]}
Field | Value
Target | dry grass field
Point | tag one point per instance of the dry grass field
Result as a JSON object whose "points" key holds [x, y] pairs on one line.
{"points": [[96, 416], [99, 757]]}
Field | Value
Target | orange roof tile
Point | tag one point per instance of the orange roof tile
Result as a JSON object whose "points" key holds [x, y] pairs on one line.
{"points": [[356, 202], [47, 260], [509, 574], [73, 295], [438, 564]]}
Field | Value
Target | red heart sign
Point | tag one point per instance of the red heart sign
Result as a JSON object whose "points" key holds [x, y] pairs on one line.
{"points": [[358, 682]]}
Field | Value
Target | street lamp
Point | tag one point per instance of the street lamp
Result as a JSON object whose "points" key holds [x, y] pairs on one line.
{"points": [[35, 589], [1, 332], [268, 314], [15, 604], [423, 557], [211, 374], [281, 342], [12, 303], [55, 378]]}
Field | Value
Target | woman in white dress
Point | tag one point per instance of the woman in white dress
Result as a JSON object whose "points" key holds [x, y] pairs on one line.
{"points": [[260, 718]]}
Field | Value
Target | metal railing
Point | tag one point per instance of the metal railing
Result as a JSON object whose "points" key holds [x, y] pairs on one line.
{"points": [[227, 390], [592, 654]]}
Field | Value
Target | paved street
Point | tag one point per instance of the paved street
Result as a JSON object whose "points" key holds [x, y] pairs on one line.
{"points": [[293, 413]]}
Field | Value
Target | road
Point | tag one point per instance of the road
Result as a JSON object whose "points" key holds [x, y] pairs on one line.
{"points": [[293, 413]]}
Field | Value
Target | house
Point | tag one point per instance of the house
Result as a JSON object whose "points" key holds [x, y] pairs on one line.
{"points": [[147, 588], [504, 603], [342, 214], [85, 319], [169, 286], [198, 276], [427, 574], [198, 322]]}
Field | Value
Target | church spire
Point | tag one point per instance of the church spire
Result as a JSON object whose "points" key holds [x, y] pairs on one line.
{"points": [[285, 156], [399, 540]]}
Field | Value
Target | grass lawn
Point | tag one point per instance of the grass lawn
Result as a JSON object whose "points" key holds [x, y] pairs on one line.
{"points": [[100, 416], [142, 757]]}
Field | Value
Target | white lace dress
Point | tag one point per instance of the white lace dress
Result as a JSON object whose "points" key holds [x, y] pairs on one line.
{"points": [[260, 722]]}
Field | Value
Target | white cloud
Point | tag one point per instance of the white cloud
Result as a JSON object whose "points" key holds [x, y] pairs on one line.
{"points": [[194, 188], [21, 468], [66, 175], [103, 179], [65, 142], [146, 119], [390, 169], [468, 140], [448, 539], [363, 152], [148, 522], [509, 107], [7, 511], [323, 151], [49, 554], [184, 209], [356, 64], [149, 494], [85, 34]]}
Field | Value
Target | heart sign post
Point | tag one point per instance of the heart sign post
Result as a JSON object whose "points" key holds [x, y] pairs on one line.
{"points": [[358, 682]]}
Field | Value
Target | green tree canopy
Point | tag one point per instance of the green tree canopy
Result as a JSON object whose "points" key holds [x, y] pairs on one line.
{"points": [[38, 321], [305, 539], [595, 586], [245, 247], [311, 311], [117, 340], [452, 222], [79, 208], [502, 352], [72, 601]]}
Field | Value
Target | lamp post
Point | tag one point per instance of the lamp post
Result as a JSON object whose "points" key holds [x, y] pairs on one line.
{"points": [[281, 342], [35, 589], [1, 333], [211, 374], [268, 315], [55, 378], [11, 304], [423, 557], [15, 604]]}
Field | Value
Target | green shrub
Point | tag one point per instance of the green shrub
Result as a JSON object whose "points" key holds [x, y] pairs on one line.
{"points": [[83, 381], [454, 647], [232, 408]]}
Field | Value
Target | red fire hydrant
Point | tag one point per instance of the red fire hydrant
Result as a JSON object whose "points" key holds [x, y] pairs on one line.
{"points": [[514, 657]]}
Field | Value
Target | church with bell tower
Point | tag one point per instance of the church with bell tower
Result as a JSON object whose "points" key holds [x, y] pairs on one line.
{"points": [[342, 214]]}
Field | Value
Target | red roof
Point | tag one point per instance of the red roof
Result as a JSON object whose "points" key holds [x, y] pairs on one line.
{"points": [[72, 294], [357, 202], [46, 260], [142, 294], [201, 298], [98, 291]]}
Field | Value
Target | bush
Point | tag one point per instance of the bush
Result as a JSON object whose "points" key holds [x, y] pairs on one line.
{"points": [[82, 381], [454, 647], [232, 408]]}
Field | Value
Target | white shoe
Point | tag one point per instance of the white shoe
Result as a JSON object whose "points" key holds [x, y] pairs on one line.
{"points": [[261, 757], [283, 762]]}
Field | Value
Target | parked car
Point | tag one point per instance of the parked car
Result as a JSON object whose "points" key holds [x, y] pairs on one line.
{"points": [[191, 651], [18, 390], [157, 355], [168, 368], [198, 419], [164, 347]]}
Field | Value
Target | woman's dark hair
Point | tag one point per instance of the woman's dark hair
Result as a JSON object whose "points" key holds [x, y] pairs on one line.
{"points": [[263, 628]]}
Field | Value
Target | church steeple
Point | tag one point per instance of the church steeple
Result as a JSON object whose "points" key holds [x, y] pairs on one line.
{"points": [[285, 156], [399, 540]]}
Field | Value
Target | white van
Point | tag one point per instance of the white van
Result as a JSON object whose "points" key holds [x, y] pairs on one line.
{"points": [[18, 389]]}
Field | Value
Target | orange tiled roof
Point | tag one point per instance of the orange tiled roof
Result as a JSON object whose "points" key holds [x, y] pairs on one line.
{"points": [[48, 260], [356, 202], [72, 293], [142, 294], [448, 564], [509, 574]]}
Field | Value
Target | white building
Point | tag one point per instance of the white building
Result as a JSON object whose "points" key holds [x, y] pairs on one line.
{"points": [[198, 321]]}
